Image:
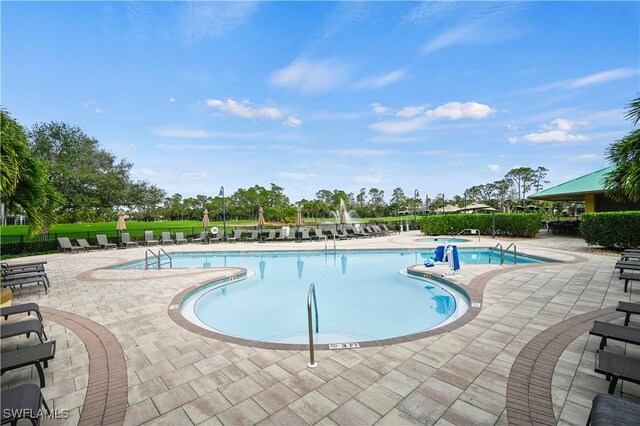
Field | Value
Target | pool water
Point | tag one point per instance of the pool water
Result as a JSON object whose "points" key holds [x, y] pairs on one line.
{"points": [[361, 295]]}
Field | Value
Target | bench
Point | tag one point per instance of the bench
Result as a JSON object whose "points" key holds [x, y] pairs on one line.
{"points": [[21, 309], [629, 308], [627, 264], [36, 354], [26, 326], [628, 276], [616, 332], [615, 367], [22, 402], [608, 409]]}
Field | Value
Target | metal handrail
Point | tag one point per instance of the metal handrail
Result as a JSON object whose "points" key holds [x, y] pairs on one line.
{"points": [[466, 229], [312, 294], [515, 252], [501, 253], [146, 258], [325, 243], [160, 256]]}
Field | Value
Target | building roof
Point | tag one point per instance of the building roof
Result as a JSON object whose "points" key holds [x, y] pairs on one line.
{"points": [[575, 189]]}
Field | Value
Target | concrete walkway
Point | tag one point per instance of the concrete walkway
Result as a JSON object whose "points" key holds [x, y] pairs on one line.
{"points": [[525, 358]]}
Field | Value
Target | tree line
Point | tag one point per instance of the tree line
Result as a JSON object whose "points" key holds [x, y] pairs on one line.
{"points": [[55, 172]]}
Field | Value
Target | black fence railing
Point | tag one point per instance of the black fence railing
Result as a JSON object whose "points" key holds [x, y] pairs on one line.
{"points": [[48, 242]]}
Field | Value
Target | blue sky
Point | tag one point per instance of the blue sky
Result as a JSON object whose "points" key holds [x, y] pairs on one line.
{"points": [[436, 96]]}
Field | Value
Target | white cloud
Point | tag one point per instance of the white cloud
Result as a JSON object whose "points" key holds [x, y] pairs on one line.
{"points": [[98, 111], [195, 175], [311, 77], [560, 130], [493, 167], [179, 132], [334, 116], [399, 126], [172, 99], [357, 152], [603, 77], [585, 158], [214, 19], [513, 139], [132, 147], [294, 176], [244, 109], [410, 111], [458, 110], [145, 172], [380, 109], [194, 147], [380, 80], [292, 122]]}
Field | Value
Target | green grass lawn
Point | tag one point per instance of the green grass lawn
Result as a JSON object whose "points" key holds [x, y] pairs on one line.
{"points": [[138, 227]]}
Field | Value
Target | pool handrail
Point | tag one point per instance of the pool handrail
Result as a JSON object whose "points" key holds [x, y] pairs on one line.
{"points": [[158, 257], [501, 253], [515, 252], [312, 294], [471, 230]]}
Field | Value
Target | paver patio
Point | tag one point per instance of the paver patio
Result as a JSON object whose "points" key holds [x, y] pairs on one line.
{"points": [[524, 357]]}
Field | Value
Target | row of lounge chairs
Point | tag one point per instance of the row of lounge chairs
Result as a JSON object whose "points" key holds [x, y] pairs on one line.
{"points": [[25, 400], [629, 266], [21, 274]]}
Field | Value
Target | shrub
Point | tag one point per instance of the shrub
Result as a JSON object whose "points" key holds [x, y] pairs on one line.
{"points": [[611, 229], [510, 224]]}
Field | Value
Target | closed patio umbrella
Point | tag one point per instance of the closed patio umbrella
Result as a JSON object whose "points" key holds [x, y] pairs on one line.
{"points": [[343, 215], [300, 265], [205, 219], [121, 225], [299, 217], [261, 219]]}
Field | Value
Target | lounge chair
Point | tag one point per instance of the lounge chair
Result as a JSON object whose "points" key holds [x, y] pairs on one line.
{"points": [[201, 239], [292, 235], [27, 326], [271, 236], [85, 244], [282, 235], [629, 308], [389, 231], [607, 410], [166, 238], [615, 367], [18, 274], [218, 237], [630, 255], [104, 243], [237, 235], [126, 240], [253, 236], [23, 308], [180, 238], [150, 239], [379, 230], [65, 243], [335, 235], [23, 267], [616, 332], [371, 231], [22, 402], [305, 235], [26, 279], [631, 265], [37, 355], [319, 233], [345, 234]]}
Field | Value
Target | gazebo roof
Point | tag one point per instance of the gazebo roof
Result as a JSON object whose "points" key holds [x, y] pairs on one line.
{"points": [[575, 189]]}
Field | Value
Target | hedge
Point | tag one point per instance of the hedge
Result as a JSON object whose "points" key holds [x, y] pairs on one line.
{"points": [[507, 224], [619, 230]]}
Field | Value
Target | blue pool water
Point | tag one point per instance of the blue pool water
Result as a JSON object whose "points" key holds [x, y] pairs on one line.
{"points": [[362, 295]]}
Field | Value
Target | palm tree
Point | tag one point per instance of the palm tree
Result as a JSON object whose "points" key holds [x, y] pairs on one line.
{"points": [[24, 181], [623, 182]]}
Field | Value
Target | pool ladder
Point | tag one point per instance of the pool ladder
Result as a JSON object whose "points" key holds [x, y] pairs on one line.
{"points": [[471, 231], [312, 296], [502, 252], [158, 258]]}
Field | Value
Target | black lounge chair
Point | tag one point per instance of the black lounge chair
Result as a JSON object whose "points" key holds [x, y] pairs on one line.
{"points": [[630, 265], [218, 237], [85, 244], [201, 239], [334, 235], [23, 267], [65, 244], [237, 235], [24, 308], [26, 279], [38, 355], [271, 236], [125, 240], [615, 366], [379, 230], [607, 410], [252, 237], [22, 402], [629, 308], [616, 332], [27, 326], [103, 242], [628, 276], [23, 274]]}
